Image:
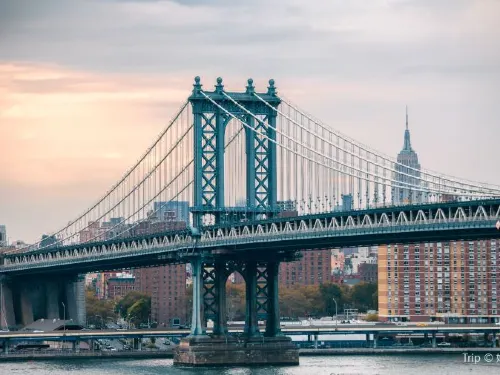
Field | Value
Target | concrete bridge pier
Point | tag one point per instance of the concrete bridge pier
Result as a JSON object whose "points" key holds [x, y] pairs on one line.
{"points": [[251, 322], [75, 300], [26, 305], [375, 339], [52, 300], [434, 344], [7, 316], [315, 341]]}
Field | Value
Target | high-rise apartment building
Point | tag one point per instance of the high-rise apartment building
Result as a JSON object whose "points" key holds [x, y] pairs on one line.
{"points": [[313, 269], [451, 281], [167, 287], [165, 284]]}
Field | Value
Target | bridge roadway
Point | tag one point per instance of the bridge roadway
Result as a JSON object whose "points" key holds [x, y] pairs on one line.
{"points": [[471, 220], [288, 331]]}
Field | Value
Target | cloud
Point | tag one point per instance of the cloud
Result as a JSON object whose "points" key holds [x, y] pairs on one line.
{"points": [[86, 85]]}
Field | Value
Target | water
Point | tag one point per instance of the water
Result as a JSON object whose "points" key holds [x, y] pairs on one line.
{"points": [[337, 365]]}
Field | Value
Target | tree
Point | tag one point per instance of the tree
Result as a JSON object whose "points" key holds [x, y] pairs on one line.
{"points": [[134, 304], [140, 311], [340, 293], [98, 311], [301, 301], [362, 296]]}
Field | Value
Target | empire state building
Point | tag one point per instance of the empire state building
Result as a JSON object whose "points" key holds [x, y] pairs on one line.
{"points": [[407, 172]]}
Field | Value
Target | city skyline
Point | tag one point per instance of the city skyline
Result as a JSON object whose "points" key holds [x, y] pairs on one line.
{"points": [[72, 123]]}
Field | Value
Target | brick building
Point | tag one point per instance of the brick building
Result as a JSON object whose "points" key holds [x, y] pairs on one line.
{"points": [[167, 287], [368, 272], [313, 269], [118, 286], [451, 281], [165, 284]]}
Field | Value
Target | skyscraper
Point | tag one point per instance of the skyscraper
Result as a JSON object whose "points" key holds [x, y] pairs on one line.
{"points": [[407, 173]]}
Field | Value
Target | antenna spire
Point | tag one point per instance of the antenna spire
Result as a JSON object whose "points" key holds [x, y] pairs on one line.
{"points": [[406, 117]]}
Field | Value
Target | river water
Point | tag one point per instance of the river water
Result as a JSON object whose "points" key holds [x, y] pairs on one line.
{"points": [[338, 365]]}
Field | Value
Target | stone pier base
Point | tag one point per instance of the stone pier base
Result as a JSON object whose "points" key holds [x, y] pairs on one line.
{"points": [[229, 351]]}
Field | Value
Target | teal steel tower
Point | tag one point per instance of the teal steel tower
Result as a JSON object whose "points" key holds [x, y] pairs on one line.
{"points": [[212, 112]]}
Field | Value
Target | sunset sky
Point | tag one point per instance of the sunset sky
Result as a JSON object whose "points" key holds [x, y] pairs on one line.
{"points": [[86, 85]]}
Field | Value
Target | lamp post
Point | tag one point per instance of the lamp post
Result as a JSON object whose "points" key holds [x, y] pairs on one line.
{"points": [[64, 322], [64, 316], [336, 316]]}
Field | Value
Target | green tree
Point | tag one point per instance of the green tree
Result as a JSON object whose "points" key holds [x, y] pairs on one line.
{"points": [[301, 301], [362, 296], [341, 294], [140, 311], [141, 304], [98, 311]]}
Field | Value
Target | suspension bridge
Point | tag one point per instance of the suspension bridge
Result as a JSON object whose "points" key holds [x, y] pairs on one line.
{"points": [[241, 181]]}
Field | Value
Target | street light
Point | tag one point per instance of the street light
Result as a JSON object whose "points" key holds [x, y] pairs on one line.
{"points": [[336, 316], [64, 323], [64, 316]]}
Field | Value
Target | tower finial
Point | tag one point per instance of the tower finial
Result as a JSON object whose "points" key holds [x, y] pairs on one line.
{"points": [[407, 145], [406, 117]]}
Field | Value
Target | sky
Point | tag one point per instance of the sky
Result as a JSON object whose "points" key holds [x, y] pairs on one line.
{"points": [[86, 85]]}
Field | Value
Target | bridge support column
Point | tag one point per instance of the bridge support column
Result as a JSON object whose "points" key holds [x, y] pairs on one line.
{"points": [[367, 340], [196, 328], [261, 279], [220, 321], [315, 341], [273, 308], [75, 300], [76, 346], [6, 344], [70, 307], [139, 344], [434, 345], [375, 339], [52, 300], [494, 340], [7, 317], [251, 322], [26, 306]]}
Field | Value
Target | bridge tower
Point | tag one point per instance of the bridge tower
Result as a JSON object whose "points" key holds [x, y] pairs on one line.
{"points": [[212, 112]]}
